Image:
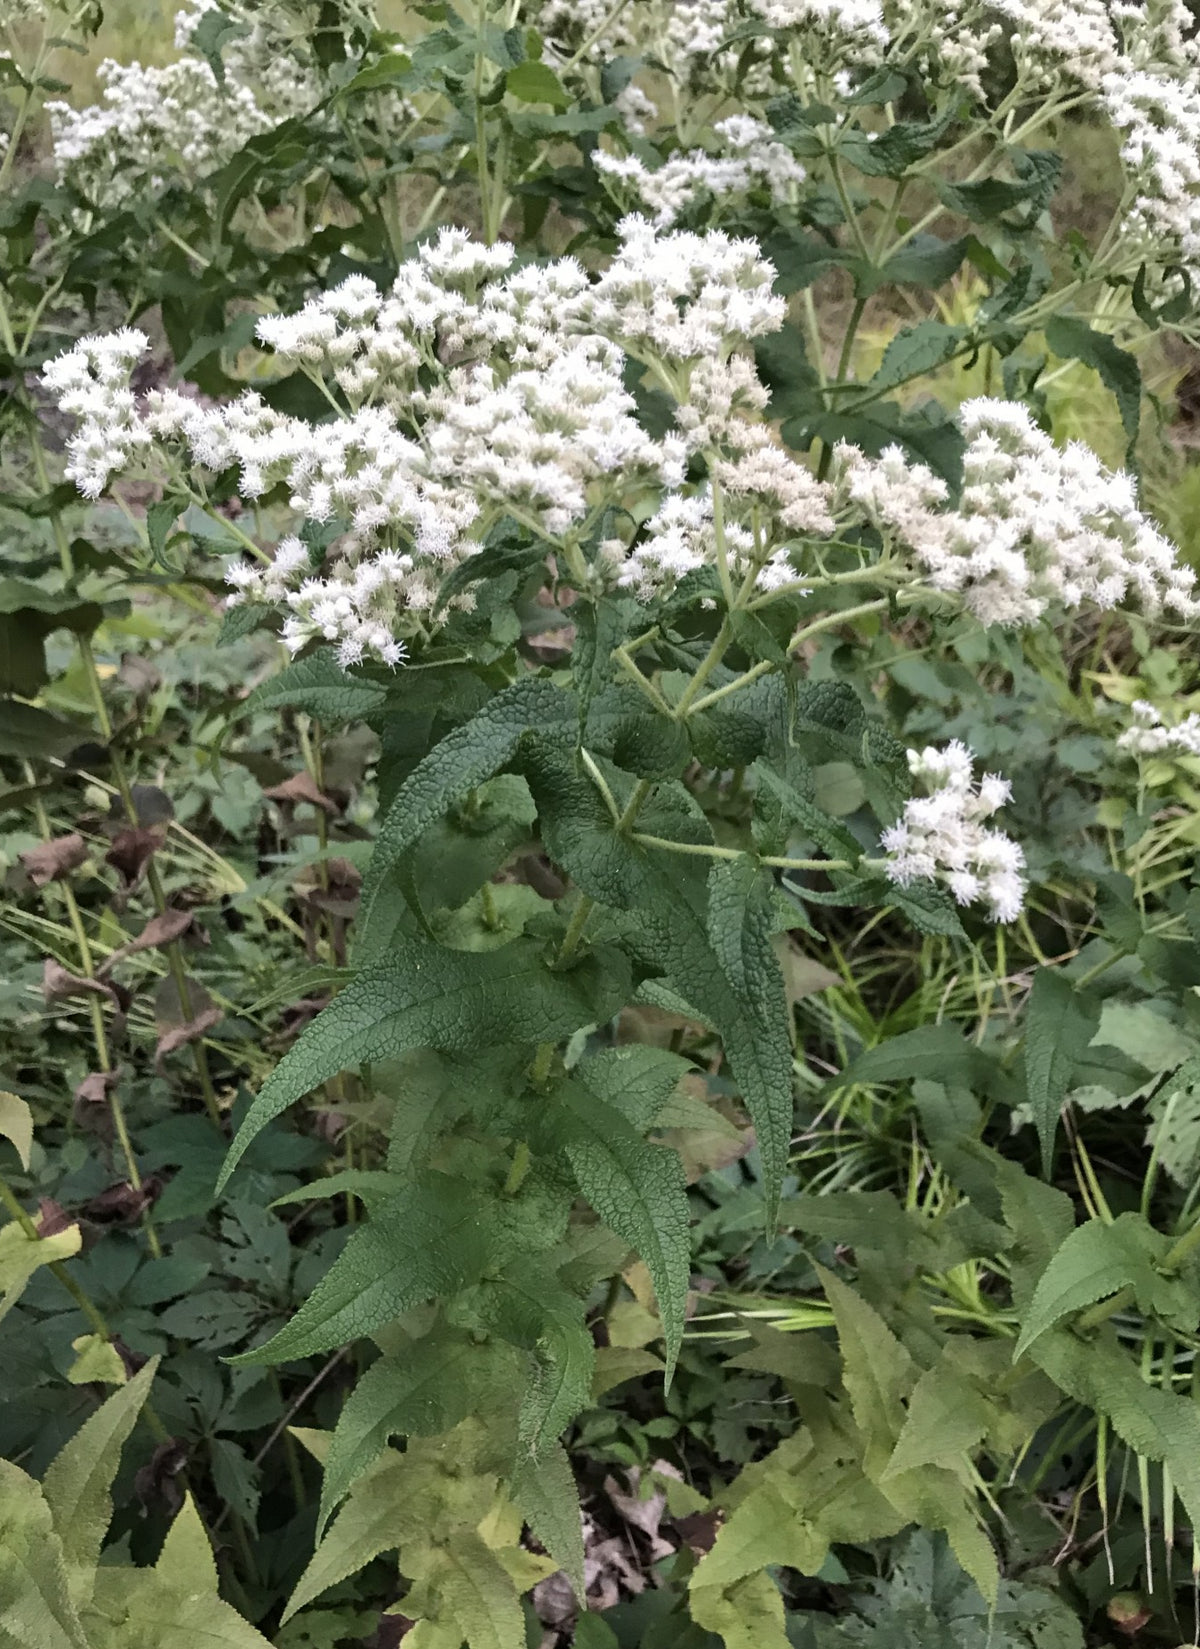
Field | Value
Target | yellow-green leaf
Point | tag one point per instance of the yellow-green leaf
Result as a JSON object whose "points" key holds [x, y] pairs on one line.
{"points": [[16, 1124]]}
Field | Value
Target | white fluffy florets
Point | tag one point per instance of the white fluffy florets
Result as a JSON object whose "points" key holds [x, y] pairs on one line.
{"points": [[1150, 736], [1036, 526], [752, 158], [474, 390], [941, 836]]}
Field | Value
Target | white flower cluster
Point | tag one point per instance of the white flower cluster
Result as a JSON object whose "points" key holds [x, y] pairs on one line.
{"points": [[753, 159], [1150, 736], [473, 390], [942, 836], [152, 124], [1036, 527]]}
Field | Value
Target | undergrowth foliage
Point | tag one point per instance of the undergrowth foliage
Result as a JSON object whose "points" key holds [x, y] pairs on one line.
{"points": [[684, 731]]}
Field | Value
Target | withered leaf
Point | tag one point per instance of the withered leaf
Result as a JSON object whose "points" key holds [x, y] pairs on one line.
{"points": [[58, 983], [124, 1203], [157, 1479], [179, 1023], [52, 1217], [91, 1109], [54, 860], [300, 788], [161, 930], [131, 852]]}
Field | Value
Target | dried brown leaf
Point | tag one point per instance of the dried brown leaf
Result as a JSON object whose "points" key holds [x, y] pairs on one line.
{"points": [[159, 931], [190, 1031], [53, 860], [301, 787], [58, 983], [131, 852]]}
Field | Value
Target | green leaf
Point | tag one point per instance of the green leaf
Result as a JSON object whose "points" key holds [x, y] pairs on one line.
{"points": [[877, 1371], [947, 1418], [462, 761], [433, 1384], [534, 82], [33, 734], [938, 1052], [21, 1255], [431, 1240], [543, 1489], [372, 1521], [1094, 1261], [475, 1590], [1161, 1425], [36, 1611], [1059, 1025], [143, 1609], [423, 996], [1073, 339], [746, 1615], [636, 1080], [319, 686], [186, 1562], [638, 1191], [78, 1479], [915, 351], [16, 1124]]}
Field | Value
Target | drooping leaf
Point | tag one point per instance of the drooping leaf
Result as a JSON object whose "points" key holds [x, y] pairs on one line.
{"points": [[79, 1478], [1059, 1025], [319, 686], [746, 1615], [21, 1255], [423, 996], [638, 1191], [1098, 1259], [545, 1492], [430, 1240], [36, 1609], [16, 1124]]}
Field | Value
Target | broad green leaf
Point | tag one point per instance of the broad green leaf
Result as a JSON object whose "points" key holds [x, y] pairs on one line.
{"points": [[1161, 1425], [877, 1371], [36, 1610], [430, 1386], [947, 1418], [637, 1080], [372, 1521], [638, 1191], [423, 996], [319, 686], [475, 1590], [940, 1052], [186, 1562], [915, 351], [461, 762], [96, 1359], [79, 1478], [1040, 1218], [1096, 1260], [545, 1493], [746, 1615], [16, 1124], [1059, 1025], [430, 1240], [143, 1609], [21, 1255], [534, 82], [1072, 338]]}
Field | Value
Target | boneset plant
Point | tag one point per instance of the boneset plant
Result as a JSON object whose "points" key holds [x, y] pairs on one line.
{"points": [[452, 445]]}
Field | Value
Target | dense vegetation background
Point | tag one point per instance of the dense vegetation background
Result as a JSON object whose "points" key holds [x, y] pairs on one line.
{"points": [[928, 1300]]}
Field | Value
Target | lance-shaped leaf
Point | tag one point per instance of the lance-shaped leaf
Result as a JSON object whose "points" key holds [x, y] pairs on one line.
{"points": [[452, 1001], [35, 1603], [463, 760], [432, 1239], [319, 686], [1059, 1025], [638, 1191], [78, 1480]]}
